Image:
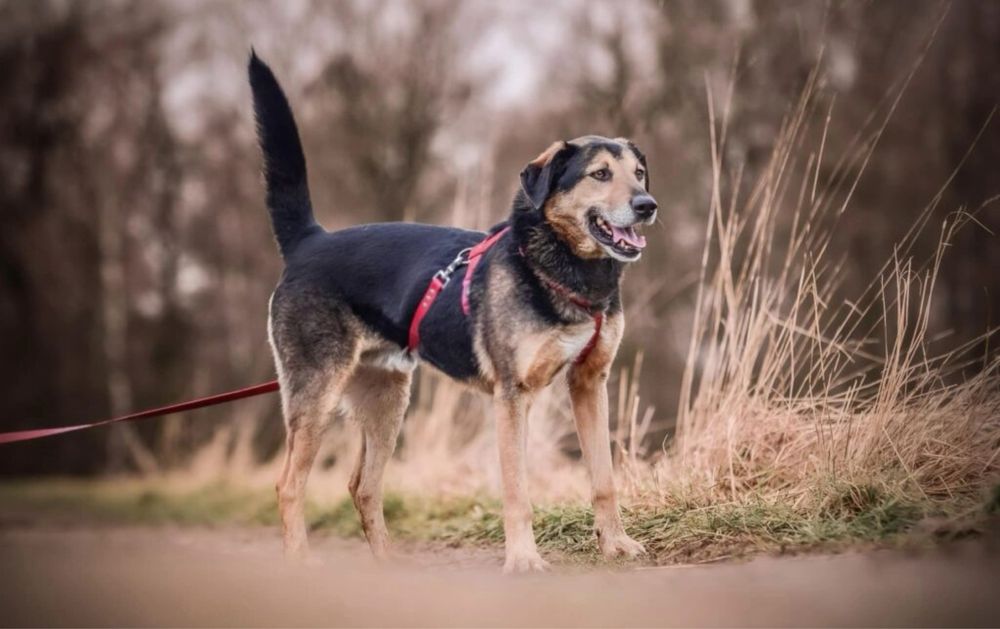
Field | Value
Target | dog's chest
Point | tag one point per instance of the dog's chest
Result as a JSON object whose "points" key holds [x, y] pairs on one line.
{"points": [[575, 339], [541, 355]]}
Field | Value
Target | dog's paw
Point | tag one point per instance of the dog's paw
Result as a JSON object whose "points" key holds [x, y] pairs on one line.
{"points": [[302, 557], [383, 554], [619, 545], [525, 563]]}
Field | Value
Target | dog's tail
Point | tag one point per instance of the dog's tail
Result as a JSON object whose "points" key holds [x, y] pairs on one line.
{"points": [[284, 163]]}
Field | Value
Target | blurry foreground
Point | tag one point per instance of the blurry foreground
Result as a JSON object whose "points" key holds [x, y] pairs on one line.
{"points": [[236, 577]]}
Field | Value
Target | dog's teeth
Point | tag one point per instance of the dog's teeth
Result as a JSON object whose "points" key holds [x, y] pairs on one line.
{"points": [[604, 226]]}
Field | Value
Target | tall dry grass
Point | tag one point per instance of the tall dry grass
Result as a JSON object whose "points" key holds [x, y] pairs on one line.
{"points": [[794, 392]]}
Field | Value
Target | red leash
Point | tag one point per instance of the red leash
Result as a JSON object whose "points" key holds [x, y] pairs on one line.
{"points": [[212, 400]]}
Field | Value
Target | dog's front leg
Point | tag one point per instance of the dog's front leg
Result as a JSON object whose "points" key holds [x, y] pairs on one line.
{"points": [[511, 410], [588, 385]]}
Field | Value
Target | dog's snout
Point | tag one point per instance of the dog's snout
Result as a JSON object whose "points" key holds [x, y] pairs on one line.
{"points": [[644, 205]]}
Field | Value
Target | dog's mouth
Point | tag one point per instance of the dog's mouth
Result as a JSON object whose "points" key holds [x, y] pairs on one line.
{"points": [[621, 242]]}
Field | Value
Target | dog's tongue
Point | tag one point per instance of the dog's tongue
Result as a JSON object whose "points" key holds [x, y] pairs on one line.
{"points": [[629, 236]]}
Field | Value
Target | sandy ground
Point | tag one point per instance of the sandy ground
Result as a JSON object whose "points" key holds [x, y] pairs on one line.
{"points": [[143, 576]]}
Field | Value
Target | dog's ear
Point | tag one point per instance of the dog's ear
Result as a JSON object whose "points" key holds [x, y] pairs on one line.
{"points": [[539, 177], [642, 160]]}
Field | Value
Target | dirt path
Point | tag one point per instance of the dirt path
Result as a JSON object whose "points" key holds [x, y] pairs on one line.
{"points": [[224, 577]]}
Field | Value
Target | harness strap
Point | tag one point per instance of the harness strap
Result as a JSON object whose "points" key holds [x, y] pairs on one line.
{"points": [[583, 304], [594, 338], [471, 261], [469, 257], [433, 290], [475, 255]]}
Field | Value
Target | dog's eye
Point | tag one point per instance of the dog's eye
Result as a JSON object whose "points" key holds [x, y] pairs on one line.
{"points": [[601, 175], [640, 174]]}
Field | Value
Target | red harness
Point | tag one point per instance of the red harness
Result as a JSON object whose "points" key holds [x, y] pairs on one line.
{"points": [[470, 258], [586, 306]]}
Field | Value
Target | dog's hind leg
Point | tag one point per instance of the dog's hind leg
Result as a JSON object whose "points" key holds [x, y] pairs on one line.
{"points": [[316, 348], [308, 408], [377, 399], [352, 484]]}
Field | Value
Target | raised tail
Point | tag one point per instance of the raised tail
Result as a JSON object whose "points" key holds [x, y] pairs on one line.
{"points": [[284, 163]]}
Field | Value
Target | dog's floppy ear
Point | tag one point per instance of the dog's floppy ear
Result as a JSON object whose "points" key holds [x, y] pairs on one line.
{"points": [[642, 160], [538, 179]]}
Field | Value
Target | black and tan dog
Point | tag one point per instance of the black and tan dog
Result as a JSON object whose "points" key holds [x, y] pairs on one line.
{"points": [[543, 298]]}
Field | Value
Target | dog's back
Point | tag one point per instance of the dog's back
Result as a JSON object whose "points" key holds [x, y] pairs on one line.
{"points": [[378, 271]]}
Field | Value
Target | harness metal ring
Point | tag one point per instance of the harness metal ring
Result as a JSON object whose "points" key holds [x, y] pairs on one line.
{"points": [[444, 275]]}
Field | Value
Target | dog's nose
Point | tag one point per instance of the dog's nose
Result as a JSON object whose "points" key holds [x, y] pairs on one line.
{"points": [[644, 206]]}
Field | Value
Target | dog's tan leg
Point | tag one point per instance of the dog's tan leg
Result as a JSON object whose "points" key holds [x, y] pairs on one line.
{"points": [[317, 344], [352, 484], [307, 415], [378, 399], [511, 409], [588, 385]]}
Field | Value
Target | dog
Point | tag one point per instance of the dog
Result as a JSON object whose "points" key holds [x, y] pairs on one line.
{"points": [[356, 309]]}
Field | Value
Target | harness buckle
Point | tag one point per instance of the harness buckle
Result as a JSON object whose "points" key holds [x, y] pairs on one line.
{"points": [[444, 275]]}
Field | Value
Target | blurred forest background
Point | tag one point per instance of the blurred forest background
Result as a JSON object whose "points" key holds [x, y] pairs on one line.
{"points": [[136, 258]]}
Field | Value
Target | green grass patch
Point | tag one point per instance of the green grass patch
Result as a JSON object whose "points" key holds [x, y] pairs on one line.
{"points": [[129, 502], [680, 531]]}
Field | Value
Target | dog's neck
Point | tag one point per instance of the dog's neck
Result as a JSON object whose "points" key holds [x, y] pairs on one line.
{"points": [[551, 258]]}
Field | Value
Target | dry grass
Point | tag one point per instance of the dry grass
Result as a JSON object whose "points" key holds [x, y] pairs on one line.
{"points": [[791, 393]]}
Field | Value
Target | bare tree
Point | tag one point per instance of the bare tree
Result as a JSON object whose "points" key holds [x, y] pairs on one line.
{"points": [[381, 105]]}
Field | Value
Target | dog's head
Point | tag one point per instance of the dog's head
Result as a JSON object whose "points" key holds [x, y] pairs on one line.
{"points": [[593, 192]]}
